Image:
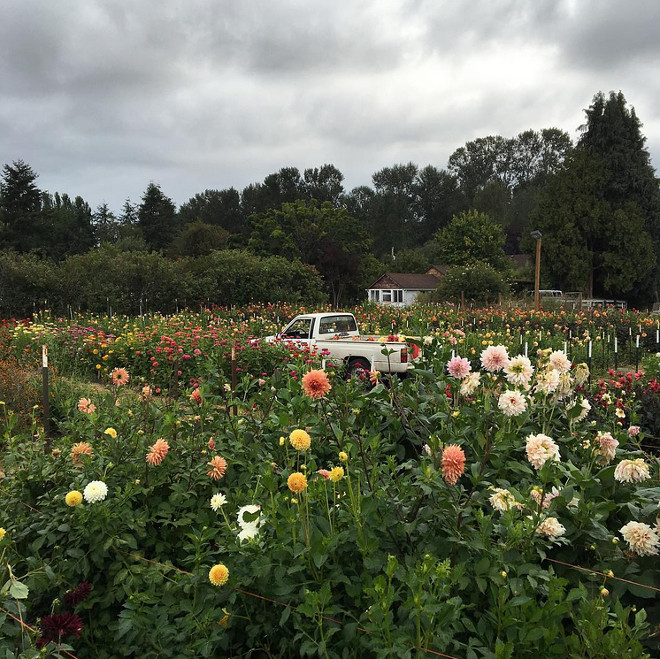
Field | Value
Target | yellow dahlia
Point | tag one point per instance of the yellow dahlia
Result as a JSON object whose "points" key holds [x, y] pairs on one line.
{"points": [[336, 474], [300, 440], [219, 574], [73, 498]]}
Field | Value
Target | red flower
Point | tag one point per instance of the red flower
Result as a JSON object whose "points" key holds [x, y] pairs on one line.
{"points": [[78, 594], [59, 626]]}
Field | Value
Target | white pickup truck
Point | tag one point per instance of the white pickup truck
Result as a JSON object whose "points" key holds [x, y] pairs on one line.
{"points": [[336, 335]]}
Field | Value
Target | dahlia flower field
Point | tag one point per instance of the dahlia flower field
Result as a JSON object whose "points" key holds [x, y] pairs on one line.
{"points": [[501, 501]]}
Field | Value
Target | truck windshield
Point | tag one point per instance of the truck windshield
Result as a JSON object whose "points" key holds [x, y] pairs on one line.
{"points": [[298, 329]]}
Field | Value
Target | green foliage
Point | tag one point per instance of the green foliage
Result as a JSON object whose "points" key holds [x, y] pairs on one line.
{"points": [[471, 236], [25, 280], [109, 279], [388, 559], [476, 282], [603, 205], [197, 239], [320, 235], [651, 366], [112, 279], [238, 277]]}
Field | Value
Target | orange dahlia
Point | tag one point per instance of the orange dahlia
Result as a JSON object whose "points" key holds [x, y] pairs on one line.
{"points": [[315, 384], [196, 397], [157, 452], [81, 448], [297, 482], [453, 463], [218, 468], [119, 377], [86, 406]]}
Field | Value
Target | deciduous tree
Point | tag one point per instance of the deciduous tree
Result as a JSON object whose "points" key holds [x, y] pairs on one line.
{"points": [[471, 236]]}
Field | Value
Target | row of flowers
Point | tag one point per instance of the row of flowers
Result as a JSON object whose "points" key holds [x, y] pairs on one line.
{"points": [[502, 456]]}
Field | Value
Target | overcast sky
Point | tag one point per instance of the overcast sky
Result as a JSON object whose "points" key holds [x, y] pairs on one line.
{"points": [[102, 97]]}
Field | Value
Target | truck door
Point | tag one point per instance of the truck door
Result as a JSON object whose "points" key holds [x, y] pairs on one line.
{"points": [[300, 331]]}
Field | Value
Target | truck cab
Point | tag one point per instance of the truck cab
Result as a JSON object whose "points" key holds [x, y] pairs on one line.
{"points": [[320, 326]]}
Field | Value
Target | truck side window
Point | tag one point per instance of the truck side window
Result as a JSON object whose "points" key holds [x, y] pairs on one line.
{"points": [[337, 325], [327, 326], [298, 330]]}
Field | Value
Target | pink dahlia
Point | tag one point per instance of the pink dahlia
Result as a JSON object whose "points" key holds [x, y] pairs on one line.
{"points": [[606, 447], [458, 367], [494, 358]]}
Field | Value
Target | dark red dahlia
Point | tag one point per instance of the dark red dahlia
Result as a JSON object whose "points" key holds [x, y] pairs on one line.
{"points": [[58, 627], [78, 594]]}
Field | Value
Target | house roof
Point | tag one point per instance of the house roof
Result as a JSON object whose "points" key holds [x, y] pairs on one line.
{"points": [[440, 269], [406, 281]]}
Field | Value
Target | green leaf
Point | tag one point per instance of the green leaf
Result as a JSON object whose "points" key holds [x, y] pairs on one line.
{"points": [[18, 590]]}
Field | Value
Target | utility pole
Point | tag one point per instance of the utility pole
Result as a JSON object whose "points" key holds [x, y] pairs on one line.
{"points": [[537, 274]]}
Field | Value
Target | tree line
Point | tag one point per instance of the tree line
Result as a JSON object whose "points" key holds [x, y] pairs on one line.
{"points": [[596, 202]]}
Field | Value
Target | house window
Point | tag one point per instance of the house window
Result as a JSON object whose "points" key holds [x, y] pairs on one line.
{"points": [[387, 295], [397, 295], [374, 295]]}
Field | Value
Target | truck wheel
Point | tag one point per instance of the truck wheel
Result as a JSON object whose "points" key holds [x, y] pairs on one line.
{"points": [[356, 365]]}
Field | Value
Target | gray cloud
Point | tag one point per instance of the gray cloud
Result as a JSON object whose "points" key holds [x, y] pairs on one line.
{"points": [[101, 98]]}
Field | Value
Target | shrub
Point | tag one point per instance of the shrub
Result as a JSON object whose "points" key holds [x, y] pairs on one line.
{"points": [[477, 282], [19, 395]]}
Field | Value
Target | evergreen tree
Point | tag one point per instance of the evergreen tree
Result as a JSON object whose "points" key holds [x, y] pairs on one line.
{"points": [[20, 206], [613, 134], [600, 214], [157, 218], [105, 224], [129, 214]]}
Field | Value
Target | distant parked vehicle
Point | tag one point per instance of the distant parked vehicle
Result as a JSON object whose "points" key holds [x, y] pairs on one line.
{"points": [[337, 334], [547, 292]]}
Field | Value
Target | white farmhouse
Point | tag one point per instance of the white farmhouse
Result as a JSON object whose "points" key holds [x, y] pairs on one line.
{"points": [[401, 288]]}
